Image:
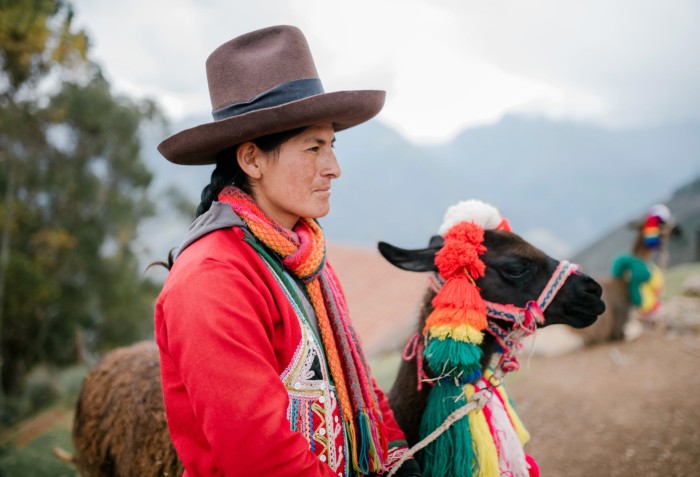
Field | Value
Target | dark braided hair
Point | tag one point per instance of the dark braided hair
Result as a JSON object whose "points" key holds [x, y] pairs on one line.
{"points": [[228, 171]]}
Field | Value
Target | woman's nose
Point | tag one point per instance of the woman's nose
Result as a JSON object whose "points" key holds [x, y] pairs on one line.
{"points": [[331, 166]]}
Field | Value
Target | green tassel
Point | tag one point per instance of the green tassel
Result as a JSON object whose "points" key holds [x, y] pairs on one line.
{"points": [[452, 453], [363, 438], [455, 358]]}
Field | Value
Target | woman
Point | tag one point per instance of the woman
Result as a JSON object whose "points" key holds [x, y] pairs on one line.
{"points": [[262, 373]]}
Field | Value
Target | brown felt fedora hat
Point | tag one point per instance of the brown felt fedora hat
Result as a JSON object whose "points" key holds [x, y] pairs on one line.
{"points": [[262, 83]]}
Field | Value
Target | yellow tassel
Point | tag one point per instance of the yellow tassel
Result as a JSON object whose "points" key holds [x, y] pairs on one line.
{"points": [[463, 332], [487, 455], [350, 433]]}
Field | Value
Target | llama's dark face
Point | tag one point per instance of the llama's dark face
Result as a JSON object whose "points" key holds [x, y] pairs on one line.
{"points": [[516, 273]]}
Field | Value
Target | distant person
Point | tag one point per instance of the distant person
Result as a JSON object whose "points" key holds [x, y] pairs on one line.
{"points": [[262, 372]]}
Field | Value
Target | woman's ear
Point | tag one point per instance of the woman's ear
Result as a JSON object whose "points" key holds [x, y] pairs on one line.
{"points": [[249, 157]]}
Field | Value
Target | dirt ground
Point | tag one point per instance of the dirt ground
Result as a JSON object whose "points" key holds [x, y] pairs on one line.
{"points": [[618, 409]]}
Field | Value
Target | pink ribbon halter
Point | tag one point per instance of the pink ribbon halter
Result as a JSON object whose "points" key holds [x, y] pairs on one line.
{"points": [[524, 319], [414, 349]]}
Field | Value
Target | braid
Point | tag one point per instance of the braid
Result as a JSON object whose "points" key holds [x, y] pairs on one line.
{"points": [[227, 171]]}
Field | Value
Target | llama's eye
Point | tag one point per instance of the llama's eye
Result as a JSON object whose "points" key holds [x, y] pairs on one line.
{"points": [[514, 270]]}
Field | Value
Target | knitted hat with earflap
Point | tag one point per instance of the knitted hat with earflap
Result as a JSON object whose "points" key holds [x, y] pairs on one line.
{"points": [[454, 331]]}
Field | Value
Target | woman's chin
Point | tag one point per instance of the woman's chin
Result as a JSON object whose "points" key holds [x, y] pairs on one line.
{"points": [[321, 210]]}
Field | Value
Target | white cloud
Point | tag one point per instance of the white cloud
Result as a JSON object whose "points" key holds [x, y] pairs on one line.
{"points": [[437, 99], [445, 64], [631, 58]]}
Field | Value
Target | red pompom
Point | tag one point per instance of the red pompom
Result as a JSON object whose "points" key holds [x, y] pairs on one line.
{"points": [[463, 245]]}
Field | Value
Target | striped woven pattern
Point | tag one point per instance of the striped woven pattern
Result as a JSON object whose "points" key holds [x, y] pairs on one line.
{"points": [[303, 253]]}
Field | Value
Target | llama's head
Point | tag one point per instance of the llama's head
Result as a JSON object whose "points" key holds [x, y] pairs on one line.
{"points": [[515, 272], [654, 231]]}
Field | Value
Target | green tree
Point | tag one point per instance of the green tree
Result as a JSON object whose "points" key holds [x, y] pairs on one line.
{"points": [[73, 189]]}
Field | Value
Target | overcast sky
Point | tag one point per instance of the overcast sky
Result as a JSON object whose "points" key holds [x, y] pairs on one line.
{"points": [[445, 64]]}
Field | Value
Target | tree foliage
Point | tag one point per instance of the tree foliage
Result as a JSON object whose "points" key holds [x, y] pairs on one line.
{"points": [[73, 189]]}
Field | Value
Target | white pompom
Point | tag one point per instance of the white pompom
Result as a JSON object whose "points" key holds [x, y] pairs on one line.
{"points": [[481, 213], [661, 211]]}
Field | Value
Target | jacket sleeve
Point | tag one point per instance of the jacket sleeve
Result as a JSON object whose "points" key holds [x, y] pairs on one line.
{"points": [[217, 332]]}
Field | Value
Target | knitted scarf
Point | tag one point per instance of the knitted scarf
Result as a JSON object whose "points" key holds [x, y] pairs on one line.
{"points": [[302, 251]]}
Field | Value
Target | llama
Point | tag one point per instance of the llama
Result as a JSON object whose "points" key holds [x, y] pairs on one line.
{"points": [[632, 291], [119, 428], [113, 439], [513, 273]]}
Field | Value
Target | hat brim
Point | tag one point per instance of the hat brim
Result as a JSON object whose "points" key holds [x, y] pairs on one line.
{"points": [[343, 109]]}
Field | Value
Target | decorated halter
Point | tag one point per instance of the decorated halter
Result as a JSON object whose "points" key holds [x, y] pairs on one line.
{"points": [[525, 320]]}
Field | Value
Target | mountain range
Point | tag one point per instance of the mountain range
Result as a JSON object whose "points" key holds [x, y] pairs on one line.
{"points": [[563, 185]]}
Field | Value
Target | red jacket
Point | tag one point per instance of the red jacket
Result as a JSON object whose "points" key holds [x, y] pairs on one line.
{"points": [[246, 389]]}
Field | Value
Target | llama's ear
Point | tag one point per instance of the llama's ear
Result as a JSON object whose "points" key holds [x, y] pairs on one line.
{"points": [[421, 260], [436, 241]]}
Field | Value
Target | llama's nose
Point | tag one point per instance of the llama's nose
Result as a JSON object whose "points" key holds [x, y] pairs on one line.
{"points": [[591, 287]]}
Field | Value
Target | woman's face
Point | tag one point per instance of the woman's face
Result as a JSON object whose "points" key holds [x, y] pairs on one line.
{"points": [[296, 180]]}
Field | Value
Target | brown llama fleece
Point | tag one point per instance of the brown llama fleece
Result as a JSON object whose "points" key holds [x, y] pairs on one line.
{"points": [[120, 427]]}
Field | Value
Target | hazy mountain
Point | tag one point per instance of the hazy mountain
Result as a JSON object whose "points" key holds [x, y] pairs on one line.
{"points": [[562, 184]]}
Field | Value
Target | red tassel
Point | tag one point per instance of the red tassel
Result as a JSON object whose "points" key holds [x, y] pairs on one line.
{"points": [[460, 292]]}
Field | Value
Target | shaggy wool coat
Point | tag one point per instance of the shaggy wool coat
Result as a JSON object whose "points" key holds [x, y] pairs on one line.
{"points": [[246, 386]]}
